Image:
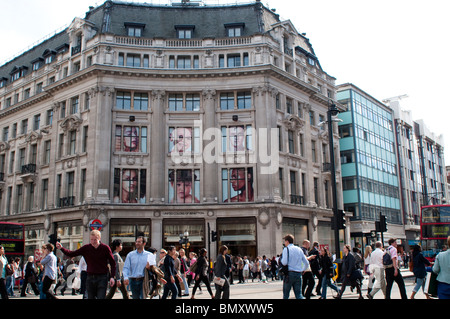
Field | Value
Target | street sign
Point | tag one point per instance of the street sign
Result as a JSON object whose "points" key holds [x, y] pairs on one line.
{"points": [[95, 224]]}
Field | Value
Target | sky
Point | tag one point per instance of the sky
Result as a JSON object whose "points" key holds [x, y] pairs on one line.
{"points": [[386, 48]]}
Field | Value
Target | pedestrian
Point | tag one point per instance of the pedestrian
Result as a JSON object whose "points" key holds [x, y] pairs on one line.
{"points": [[221, 280], [246, 269], [240, 269], [50, 265], [308, 277], [294, 258], [392, 271], [201, 273], [351, 275], [192, 261], [82, 267], [116, 248], [30, 277], [134, 268], [177, 265], [154, 275], [315, 265], [97, 256], [441, 267], [17, 273], [367, 261], [419, 270], [376, 268], [183, 271], [170, 274], [10, 277], [326, 271], [3, 263]]}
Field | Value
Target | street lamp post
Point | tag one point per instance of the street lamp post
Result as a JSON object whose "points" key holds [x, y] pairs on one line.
{"points": [[333, 111]]}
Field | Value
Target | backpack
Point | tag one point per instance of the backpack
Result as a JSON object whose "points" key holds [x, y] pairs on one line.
{"points": [[387, 260]]}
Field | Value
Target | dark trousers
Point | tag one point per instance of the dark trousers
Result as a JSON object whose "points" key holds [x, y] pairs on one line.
{"points": [[319, 284], [96, 286], [390, 279], [46, 284], [3, 291], [223, 291], [197, 284], [169, 286], [122, 289], [24, 287], [308, 283]]}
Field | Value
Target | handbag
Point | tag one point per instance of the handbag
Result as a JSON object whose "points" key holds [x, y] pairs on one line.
{"points": [[219, 281], [193, 268], [284, 270]]}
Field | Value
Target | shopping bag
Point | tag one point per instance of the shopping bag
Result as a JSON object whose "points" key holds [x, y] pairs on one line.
{"points": [[431, 284]]}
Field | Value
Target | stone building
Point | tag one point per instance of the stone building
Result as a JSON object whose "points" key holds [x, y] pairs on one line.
{"points": [[166, 120]]}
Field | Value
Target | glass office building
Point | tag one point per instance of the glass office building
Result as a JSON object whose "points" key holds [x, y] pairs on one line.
{"points": [[369, 165]]}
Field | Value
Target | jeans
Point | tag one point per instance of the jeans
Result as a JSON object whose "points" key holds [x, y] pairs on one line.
{"points": [[96, 286], [419, 282], [294, 281], [326, 282], [170, 287], [136, 288]]}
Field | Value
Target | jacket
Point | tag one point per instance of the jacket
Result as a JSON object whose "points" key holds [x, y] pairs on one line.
{"points": [[419, 265], [221, 266]]}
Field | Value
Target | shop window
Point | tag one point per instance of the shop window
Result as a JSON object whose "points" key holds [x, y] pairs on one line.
{"points": [[237, 185], [184, 186], [184, 140], [236, 138], [131, 138], [130, 185]]}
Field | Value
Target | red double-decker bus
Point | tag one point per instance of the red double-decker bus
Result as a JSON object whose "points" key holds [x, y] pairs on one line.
{"points": [[434, 229], [12, 238]]}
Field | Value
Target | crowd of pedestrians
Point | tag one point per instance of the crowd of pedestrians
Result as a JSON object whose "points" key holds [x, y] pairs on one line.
{"points": [[141, 274]]}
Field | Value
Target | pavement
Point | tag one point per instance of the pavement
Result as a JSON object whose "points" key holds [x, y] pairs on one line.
{"points": [[271, 290]]}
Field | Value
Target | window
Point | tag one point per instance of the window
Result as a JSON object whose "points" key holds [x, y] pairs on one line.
{"points": [[236, 138], [123, 100], [185, 31], [72, 142], [37, 122], [134, 29], [183, 62], [130, 185], [134, 60], [184, 186], [184, 102], [19, 198], [49, 118], [132, 101], [237, 185], [243, 100], [85, 139], [47, 147], [291, 142], [184, 140], [44, 194], [233, 60], [234, 29], [131, 138], [83, 185], [24, 127], [140, 101]]}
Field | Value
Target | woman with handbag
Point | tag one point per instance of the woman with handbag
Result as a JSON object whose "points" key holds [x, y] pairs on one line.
{"points": [[419, 270], [220, 279], [201, 273], [351, 274], [30, 277], [326, 271]]}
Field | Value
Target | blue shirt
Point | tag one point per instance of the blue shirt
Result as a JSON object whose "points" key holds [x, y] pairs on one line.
{"points": [[50, 266], [442, 267], [135, 264], [297, 260]]}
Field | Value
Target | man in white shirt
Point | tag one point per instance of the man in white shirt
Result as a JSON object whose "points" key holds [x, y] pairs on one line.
{"points": [[376, 267], [392, 272]]}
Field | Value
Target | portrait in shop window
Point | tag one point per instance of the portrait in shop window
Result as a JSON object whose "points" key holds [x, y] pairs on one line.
{"points": [[236, 138], [184, 140], [129, 185], [184, 186], [237, 185], [131, 138]]}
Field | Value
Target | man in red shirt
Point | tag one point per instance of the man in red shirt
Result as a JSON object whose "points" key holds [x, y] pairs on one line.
{"points": [[97, 256]]}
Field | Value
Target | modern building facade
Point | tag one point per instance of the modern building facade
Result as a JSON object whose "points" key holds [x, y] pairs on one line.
{"points": [[370, 178], [421, 168], [163, 120]]}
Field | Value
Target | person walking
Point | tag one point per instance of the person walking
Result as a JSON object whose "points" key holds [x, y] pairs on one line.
{"points": [[392, 271], [326, 272], [97, 256], [419, 270], [3, 263], [441, 267], [134, 268], [30, 277], [351, 275], [116, 248], [376, 268], [314, 263], [170, 273], [50, 265], [183, 271], [308, 277], [201, 273], [367, 261], [294, 258], [220, 272]]}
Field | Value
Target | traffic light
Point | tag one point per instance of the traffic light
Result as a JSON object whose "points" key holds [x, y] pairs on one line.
{"points": [[213, 235], [341, 219], [52, 239], [383, 223]]}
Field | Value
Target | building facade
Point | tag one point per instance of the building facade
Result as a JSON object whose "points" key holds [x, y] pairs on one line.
{"points": [[369, 165], [161, 120]]}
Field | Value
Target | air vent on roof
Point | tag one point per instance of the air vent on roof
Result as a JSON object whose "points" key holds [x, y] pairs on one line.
{"points": [[190, 3]]}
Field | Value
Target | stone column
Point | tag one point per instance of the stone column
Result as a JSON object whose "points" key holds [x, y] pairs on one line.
{"points": [[210, 184], [158, 150]]}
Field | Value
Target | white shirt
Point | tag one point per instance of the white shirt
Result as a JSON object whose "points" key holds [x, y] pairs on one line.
{"points": [[376, 258], [151, 259]]}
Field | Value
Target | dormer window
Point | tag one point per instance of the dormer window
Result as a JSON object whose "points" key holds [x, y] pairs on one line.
{"points": [[134, 29], [3, 82], [37, 63], [234, 29], [49, 56], [18, 72], [185, 31]]}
